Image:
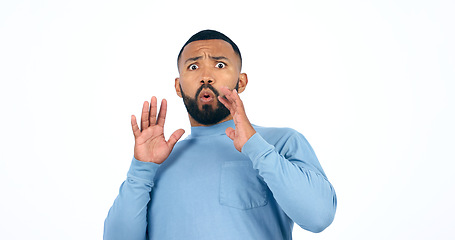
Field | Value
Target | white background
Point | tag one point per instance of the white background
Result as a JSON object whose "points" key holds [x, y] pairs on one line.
{"points": [[369, 83]]}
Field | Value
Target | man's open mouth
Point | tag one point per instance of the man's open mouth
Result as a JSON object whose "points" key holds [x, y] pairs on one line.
{"points": [[206, 96]]}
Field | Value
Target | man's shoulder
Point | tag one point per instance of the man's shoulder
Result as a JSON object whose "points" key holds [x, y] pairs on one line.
{"points": [[277, 133]]}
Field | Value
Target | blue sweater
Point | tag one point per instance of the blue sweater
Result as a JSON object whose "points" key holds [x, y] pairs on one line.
{"points": [[206, 189]]}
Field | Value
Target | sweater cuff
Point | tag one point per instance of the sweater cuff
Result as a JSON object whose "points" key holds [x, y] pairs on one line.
{"points": [[144, 171], [256, 147]]}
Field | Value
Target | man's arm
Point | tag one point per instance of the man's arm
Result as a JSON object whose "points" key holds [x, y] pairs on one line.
{"points": [[127, 218], [297, 182]]}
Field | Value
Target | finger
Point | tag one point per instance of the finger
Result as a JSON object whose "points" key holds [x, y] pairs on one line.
{"points": [[235, 97], [227, 93], [162, 114], [228, 98], [226, 103], [145, 116], [236, 102], [224, 90], [230, 132], [134, 126], [153, 110], [175, 137]]}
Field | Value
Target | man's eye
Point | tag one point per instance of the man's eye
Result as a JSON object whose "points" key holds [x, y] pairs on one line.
{"points": [[220, 65], [193, 67]]}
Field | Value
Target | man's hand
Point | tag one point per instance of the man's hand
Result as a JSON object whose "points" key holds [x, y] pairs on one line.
{"points": [[150, 144], [243, 128]]}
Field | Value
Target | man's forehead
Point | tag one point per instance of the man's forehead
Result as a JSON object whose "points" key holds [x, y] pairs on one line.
{"points": [[215, 46]]}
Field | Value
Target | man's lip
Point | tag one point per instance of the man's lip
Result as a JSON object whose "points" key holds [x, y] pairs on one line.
{"points": [[206, 96]]}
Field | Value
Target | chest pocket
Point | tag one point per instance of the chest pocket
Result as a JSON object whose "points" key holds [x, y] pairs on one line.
{"points": [[241, 187]]}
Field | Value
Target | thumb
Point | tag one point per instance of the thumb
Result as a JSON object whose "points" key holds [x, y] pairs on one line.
{"points": [[230, 132], [175, 137]]}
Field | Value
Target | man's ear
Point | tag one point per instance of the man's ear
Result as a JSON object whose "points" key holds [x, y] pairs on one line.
{"points": [[243, 81], [177, 87]]}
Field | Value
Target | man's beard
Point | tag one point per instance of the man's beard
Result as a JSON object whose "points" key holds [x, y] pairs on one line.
{"points": [[208, 115]]}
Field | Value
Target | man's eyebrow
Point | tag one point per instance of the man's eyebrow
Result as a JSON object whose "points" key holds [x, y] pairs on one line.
{"points": [[220, 58], [217, 58], [193, 59]]}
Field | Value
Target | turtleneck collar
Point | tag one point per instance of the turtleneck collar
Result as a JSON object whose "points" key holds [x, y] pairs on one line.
{"points": [[217, 129]]}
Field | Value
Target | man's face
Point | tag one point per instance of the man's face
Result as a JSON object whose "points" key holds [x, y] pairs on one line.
{"points": [[204, 67]]}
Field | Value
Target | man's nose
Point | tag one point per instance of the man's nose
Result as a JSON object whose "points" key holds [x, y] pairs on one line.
{"points": [[207, 78], [206, 81]]}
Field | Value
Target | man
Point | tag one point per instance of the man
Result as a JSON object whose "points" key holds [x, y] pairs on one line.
{"points": [[228, 179]]}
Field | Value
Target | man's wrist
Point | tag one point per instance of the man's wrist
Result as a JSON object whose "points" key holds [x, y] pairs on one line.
{"points": [[145, 171], [256, 147]]}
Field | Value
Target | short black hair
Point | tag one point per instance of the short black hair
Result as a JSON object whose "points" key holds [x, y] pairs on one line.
{"points": [[208, 35]]}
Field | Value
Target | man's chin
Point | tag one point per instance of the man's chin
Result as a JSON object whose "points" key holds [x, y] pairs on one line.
{"points": [[205, 113], [207, 106], [210, 116]]}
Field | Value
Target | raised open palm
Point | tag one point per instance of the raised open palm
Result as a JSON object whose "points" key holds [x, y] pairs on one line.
{"points": [[150, 144]]}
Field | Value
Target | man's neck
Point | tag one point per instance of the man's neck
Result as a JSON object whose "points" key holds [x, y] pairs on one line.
{"points": [[194, 123]]}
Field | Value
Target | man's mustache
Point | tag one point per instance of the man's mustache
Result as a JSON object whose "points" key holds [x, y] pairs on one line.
{"points": [[205, 86]]}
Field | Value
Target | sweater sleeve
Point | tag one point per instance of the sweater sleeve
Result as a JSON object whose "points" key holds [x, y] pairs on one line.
{"points": [[127, 218], [296, 180]]}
